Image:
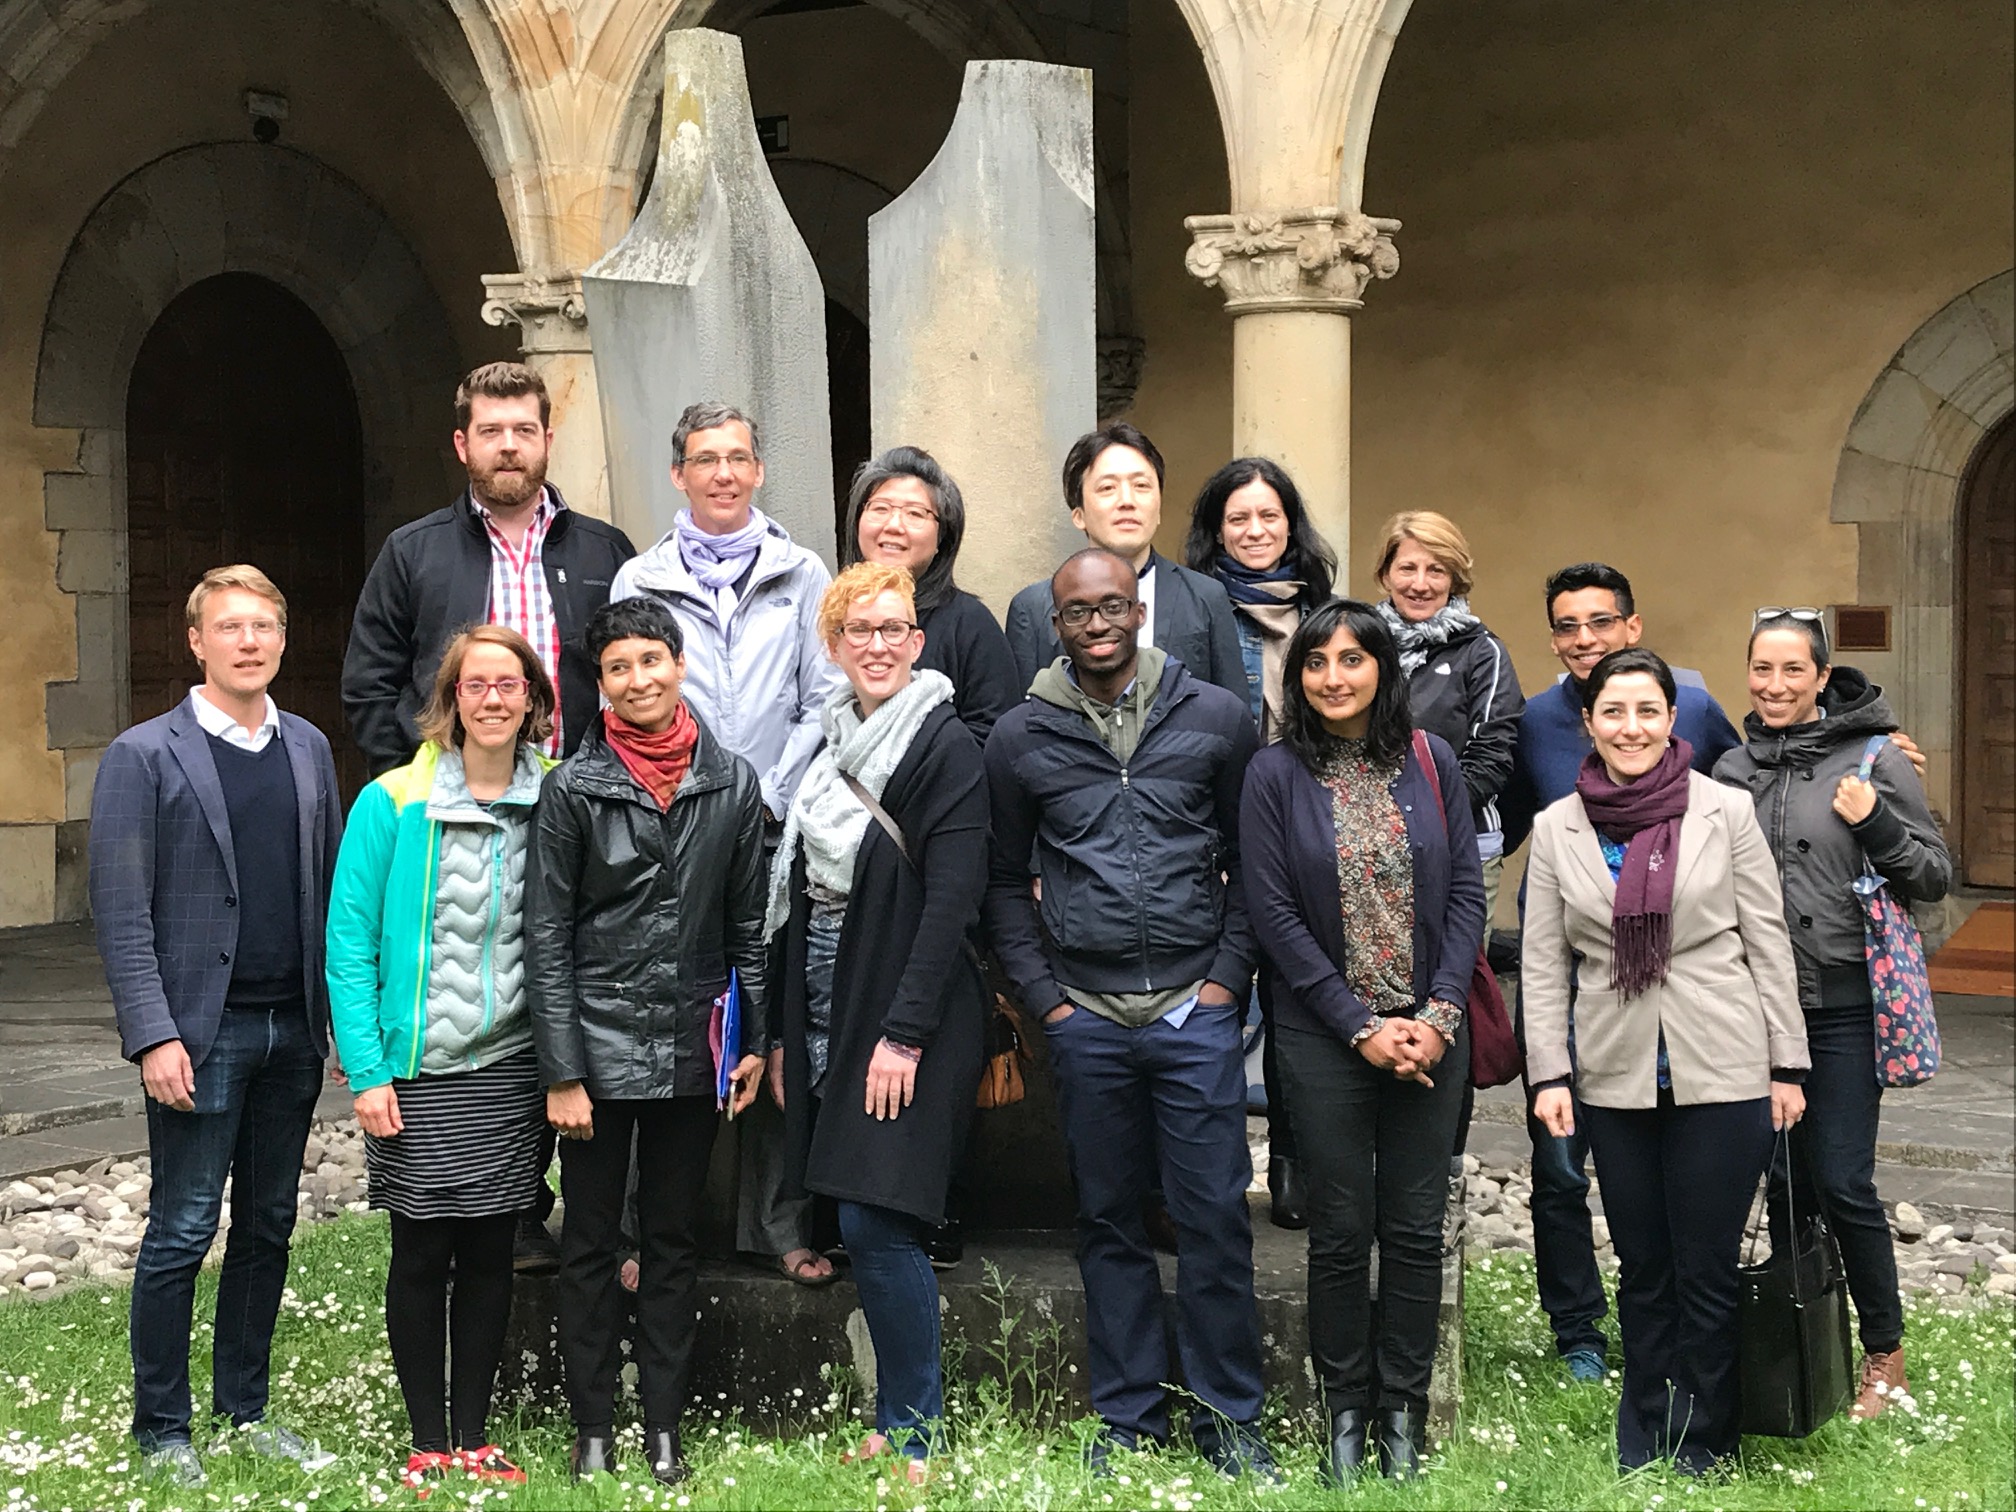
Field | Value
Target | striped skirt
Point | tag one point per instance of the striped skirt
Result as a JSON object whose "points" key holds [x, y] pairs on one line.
{"points": [[473, 1145]]}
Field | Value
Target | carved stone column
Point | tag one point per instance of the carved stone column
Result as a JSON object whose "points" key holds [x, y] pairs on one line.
{"points": [[552, 323], [1291, 279]]}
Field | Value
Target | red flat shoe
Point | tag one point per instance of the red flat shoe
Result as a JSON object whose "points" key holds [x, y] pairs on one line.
{"points": [[488, 1464], [422, 1468]]}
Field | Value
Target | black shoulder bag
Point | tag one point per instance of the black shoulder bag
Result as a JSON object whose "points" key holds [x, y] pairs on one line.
{"points": [[1792, 1316]]}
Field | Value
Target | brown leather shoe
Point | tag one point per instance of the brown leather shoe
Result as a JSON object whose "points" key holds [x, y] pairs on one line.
{"points": [[1882, 1379]]}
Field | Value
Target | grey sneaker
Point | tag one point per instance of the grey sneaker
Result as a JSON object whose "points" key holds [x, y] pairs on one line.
{"points": [[175, 1463], [275, 1442]]}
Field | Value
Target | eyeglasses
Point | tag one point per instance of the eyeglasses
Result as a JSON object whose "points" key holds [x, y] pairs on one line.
{"points": [[1113, 610], [1805, 615], [859, 633], [1596, 624], [264, 629], [476, 689], [916, 516], [707, 462]]}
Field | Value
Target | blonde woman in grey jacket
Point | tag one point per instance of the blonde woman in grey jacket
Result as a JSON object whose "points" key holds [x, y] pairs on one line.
{"points": [[1652, 905]]}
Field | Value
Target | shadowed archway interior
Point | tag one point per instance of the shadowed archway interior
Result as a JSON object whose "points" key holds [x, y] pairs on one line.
{"points": [[244, 445]]}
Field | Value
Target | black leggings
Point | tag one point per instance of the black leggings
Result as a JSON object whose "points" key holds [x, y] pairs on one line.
{"points": [[421, 1317]]}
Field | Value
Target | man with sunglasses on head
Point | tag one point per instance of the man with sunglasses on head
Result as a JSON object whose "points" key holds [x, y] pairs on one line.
{"points": [[746, 597], [1116, 784]]}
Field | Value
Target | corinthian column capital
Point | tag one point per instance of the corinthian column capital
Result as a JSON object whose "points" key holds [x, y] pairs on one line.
{"points": [[1320, 258], [549, 312]]}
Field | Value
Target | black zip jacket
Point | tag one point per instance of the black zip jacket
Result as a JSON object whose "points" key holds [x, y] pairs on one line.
{"points": [[1468, 694], [432, 579], [1139, 863], [634, 916]]}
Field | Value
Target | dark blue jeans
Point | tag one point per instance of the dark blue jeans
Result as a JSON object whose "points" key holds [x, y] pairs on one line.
{"points": [[1127, 1096], [899, 1296], [1564, 1246], [1678, 1182], [255, 1098]]}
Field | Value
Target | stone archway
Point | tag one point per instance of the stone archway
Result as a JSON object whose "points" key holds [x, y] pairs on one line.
{"points": [[1899, 481], [186, 217]]}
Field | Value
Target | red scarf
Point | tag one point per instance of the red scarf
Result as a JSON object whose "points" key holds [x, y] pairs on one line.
{"points": [[659, 762]]}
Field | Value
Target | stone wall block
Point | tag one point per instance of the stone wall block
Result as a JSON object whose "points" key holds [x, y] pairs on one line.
{"points": [[80, 772], [92, 562], [125, 234], [27, 874], [94, 329], [82, 713], [341, 224], [1945, 354], [1995, 302], [1891, 423], [79, 501], [183, 194], [712, 294], [387, 281], [982, 295], [71, 871]]}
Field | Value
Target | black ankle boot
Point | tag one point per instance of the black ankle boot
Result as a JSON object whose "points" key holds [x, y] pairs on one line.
{"points": [[1288, 1206], [594, 1454], [661, 1451], [1402, 1434], [1346, 1459]]}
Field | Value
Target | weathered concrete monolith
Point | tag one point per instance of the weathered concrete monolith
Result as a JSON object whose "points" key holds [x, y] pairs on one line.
{"points": [[712, 294], [982, 329]]}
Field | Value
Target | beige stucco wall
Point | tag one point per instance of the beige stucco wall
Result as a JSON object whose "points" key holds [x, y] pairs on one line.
{"points": [[169, 78], [1653, 257]]}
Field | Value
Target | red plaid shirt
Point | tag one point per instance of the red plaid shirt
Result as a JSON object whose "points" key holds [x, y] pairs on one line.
{"points": [[519, 597]]}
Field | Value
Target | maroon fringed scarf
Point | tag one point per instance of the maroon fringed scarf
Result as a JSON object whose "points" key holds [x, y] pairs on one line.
{"points": [[1644, 817]]}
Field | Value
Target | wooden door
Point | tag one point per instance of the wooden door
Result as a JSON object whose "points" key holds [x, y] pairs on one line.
{"points": [[1988, 663], [243, 445]]}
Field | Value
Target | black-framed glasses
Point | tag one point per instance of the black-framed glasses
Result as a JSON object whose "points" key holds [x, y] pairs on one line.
{"points": [[1805, 614], [859, 633], [1596, 624], [1113, 610]]}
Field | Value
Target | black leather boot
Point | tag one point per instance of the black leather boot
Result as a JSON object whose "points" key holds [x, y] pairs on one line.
{"points": [[1346, 1459], [1402, 1435], [594, 1454], [661, 1450], [1288, 1205]]}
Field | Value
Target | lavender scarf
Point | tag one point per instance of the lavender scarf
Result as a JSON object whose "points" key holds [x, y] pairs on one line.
{"points": [[1644, 817], [716, 561]]}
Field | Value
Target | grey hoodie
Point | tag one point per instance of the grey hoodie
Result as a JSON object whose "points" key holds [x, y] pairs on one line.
{"points": [[1792, 774]]}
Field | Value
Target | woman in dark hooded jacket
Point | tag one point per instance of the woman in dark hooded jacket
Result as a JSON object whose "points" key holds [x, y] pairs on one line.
{"points": [[1809, 728]]}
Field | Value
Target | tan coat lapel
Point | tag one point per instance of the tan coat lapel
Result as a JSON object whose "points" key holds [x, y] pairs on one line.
{"points": [[1587, 850]]}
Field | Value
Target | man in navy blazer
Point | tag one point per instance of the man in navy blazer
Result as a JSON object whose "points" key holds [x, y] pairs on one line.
{"points": [[214, 831]]}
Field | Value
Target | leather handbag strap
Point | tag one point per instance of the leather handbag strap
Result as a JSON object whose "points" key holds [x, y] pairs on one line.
{"points": [[1427, 759], [881, 816]]}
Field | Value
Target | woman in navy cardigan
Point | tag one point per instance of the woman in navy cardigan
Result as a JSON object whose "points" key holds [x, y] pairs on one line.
{"points": [[1344, 835]]}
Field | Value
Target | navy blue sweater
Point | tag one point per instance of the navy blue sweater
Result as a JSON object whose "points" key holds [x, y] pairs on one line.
{"points": [[265, 838], [1290, 849]]}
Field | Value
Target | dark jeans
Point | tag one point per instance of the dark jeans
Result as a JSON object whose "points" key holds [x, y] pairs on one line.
{"points": [[1127, 1095], [1678, 1183], [1564, 1245], [1280, 1126], [255, 1098], [674, 1137], [422, 1322], [1375, 1151], [1834, 1166], [899, 1296]]}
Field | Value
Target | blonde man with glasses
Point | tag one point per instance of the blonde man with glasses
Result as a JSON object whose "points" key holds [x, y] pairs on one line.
{"points": [[214, 830]]}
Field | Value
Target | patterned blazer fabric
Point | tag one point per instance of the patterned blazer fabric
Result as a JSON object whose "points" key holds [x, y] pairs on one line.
{"points": [[164, 878]]}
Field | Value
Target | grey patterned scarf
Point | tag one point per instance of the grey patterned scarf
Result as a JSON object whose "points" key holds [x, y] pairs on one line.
{"points": [[1421, 639]]}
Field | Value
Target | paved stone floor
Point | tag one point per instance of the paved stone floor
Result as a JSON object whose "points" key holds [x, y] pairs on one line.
{"points": [[67, 1099]]}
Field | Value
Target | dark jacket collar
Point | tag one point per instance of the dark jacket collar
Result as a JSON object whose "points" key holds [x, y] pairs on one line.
{"points": [[1178, 686], [464, 510]]}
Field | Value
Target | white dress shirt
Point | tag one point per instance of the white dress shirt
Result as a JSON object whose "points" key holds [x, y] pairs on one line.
{"points": [[1146, 593], [216, 722]]}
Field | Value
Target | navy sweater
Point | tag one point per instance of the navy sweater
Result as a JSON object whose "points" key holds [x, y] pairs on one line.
{"points": [[266, 841], [1289, 847]]}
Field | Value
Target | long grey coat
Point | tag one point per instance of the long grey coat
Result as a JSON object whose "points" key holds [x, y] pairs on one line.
{"points": [[1791, 774]]}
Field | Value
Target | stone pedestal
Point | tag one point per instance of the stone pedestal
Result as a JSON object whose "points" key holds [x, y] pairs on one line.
{"points": [[982, 314], [712, 295]]}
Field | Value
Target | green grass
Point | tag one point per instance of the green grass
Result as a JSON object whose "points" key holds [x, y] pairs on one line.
{"points": [[1527, 1439]]}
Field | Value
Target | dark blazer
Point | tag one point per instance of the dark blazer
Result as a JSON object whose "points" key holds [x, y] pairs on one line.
{"points": [[1193, 623], [963, 640], [1290, 845], [904, 971], [164, 878], [1139, 864], [432, 579]]}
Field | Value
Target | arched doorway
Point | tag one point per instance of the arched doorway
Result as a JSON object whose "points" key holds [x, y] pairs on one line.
{"points": [[243, 445], [1988, 662]]}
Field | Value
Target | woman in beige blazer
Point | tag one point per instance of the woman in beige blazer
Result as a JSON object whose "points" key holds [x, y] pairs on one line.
{"points": [[1662, 1009]]}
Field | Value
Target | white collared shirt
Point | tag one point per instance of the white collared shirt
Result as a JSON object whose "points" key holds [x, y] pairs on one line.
{"points": [[1146, 592], [216, 722]]}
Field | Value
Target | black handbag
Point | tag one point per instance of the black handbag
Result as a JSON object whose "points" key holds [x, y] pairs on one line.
{"points": [[1792, 1313]]}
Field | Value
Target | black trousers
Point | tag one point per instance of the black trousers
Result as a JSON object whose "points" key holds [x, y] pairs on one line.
{"points": [[1375, 1154], [424, 1320], [1678, 1182], [1280, 1127], [1834, 1166], [674, 1137]]}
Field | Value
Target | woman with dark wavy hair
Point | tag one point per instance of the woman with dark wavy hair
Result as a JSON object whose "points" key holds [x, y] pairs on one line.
{"points": [[905, 511], [1362, 881]]}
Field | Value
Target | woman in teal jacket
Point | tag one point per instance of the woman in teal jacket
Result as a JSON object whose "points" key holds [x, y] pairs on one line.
{"points": [[427, 996]]}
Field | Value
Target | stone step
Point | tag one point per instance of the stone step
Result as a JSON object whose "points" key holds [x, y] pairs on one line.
{"points": [[120, 1133]]}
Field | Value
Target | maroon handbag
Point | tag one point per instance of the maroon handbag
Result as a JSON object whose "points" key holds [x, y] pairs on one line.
{"points": [[1494, 1051]]}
